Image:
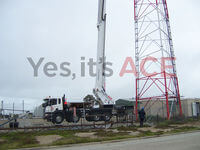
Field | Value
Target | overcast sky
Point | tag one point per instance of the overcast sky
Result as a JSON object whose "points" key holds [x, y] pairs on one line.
{"points": [[65, 30]]}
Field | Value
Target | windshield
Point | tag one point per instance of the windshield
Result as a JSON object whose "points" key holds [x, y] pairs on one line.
{"points": [[50, 102]]}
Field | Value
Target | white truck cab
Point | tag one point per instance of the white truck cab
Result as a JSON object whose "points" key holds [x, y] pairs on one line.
{"points": [[53, 104]]}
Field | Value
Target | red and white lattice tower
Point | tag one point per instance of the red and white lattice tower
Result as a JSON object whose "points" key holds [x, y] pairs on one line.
{"points": [[154, 55]]}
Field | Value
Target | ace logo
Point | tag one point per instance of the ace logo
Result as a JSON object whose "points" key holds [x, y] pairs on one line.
{"points": [[129, 62]]}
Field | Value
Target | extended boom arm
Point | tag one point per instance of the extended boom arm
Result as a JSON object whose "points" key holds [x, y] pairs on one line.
{"points": [[99, 90]]}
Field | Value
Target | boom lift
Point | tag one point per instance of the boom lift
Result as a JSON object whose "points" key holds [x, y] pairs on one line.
{"points": [[99, 90], [102, 107]]}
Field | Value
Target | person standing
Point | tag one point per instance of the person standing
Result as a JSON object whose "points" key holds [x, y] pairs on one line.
{"points": [[142, 116]]}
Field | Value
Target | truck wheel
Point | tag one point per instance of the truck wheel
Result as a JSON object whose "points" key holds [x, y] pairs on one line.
{"points": [[58, 118], [76, 119], [107, 117], [96, 118], [88, 118]]}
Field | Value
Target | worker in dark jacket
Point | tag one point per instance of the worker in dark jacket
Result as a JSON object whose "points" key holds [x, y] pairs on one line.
{"points": [[142, 115]]}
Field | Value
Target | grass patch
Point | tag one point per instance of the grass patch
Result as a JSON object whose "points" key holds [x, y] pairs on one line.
{"points": [[164, 125], [16, 140], [184, 129], [103, 133], [13, 140], [129, 128], [149, 133], [74, 140], [176, 121]]}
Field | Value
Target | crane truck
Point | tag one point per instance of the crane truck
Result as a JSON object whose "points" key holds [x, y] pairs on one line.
{"points": [[98, 108]]}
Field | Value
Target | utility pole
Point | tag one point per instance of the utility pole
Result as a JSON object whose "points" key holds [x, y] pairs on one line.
{"points": [[2, 109], [23, 106], [13, 108]]}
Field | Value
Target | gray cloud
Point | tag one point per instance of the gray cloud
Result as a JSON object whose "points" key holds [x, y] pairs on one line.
{"points": [[65, 30]]}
